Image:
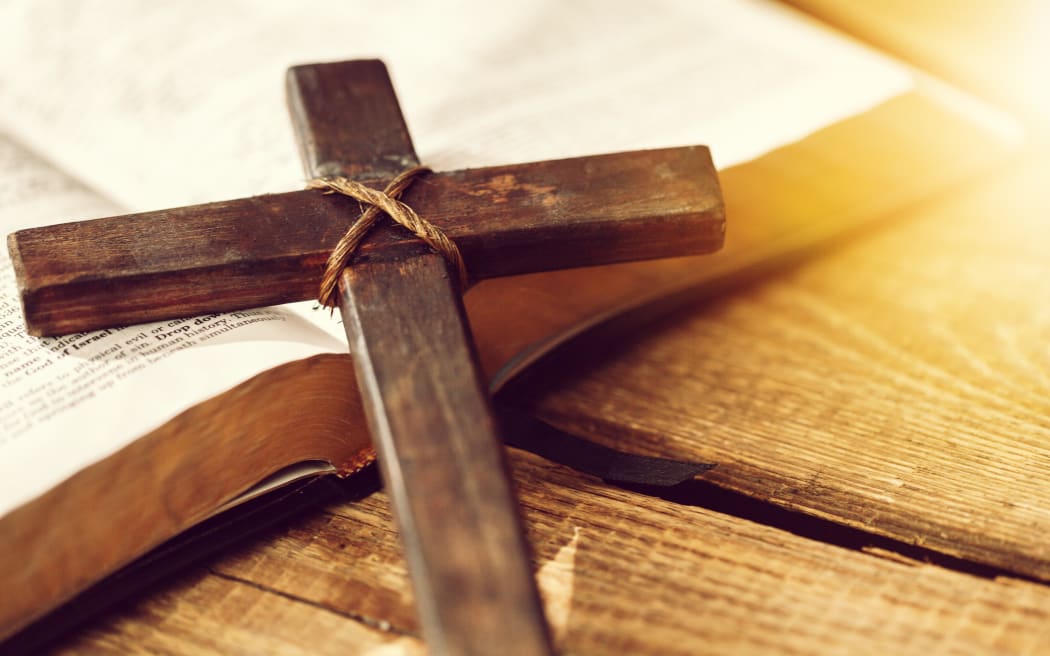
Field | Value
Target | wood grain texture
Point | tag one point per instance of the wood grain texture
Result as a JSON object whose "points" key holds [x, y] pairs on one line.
{"points": [[441, 457], [215, 615], [424, 398], [621, 573], [271, 249], [899, 385], [347, 120]]}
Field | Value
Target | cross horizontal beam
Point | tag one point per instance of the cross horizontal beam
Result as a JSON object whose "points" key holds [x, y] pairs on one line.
{"points": [[271, 249]]}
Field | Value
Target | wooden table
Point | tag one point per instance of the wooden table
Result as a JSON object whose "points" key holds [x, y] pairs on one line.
{"points": [[880, 413]]}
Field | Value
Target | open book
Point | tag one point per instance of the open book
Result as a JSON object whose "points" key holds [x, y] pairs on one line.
{"points": [[114, 441]]}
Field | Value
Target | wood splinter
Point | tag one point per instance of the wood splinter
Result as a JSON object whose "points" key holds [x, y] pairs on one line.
{"points": [[427, 407]]}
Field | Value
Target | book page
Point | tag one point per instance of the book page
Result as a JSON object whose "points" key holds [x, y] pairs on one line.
{"points": [[164, 104], [68, 401]]}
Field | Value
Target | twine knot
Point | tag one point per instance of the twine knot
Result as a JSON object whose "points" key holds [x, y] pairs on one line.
{"points": [[385, 201]]}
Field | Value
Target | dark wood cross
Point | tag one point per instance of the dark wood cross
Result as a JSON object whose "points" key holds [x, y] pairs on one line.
{"points": [[425, 400]]}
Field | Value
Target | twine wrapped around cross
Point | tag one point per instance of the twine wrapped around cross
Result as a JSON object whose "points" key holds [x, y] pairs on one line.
{"points": [[378, 202]]}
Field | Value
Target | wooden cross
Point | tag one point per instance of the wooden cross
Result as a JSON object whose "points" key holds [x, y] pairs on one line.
{"points": [[425, 400]]}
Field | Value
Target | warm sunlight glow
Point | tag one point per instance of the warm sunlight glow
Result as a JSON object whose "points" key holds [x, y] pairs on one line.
{"points": [[1028, 46]]}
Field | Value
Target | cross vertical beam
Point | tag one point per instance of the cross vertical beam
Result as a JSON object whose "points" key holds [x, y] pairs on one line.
{"points": [[425, 401], [435, 434]]}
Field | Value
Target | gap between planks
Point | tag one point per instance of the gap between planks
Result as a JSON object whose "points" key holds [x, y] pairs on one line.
{"points": [[703, 494], [700, 493]]}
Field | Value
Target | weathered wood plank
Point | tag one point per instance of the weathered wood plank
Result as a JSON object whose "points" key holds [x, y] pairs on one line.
{"points": [[272, 249], [899, 385], [625, 573], [206, 613]]}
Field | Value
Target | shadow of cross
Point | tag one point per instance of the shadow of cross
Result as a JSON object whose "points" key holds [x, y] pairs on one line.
{"points": [[427, 409]]}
